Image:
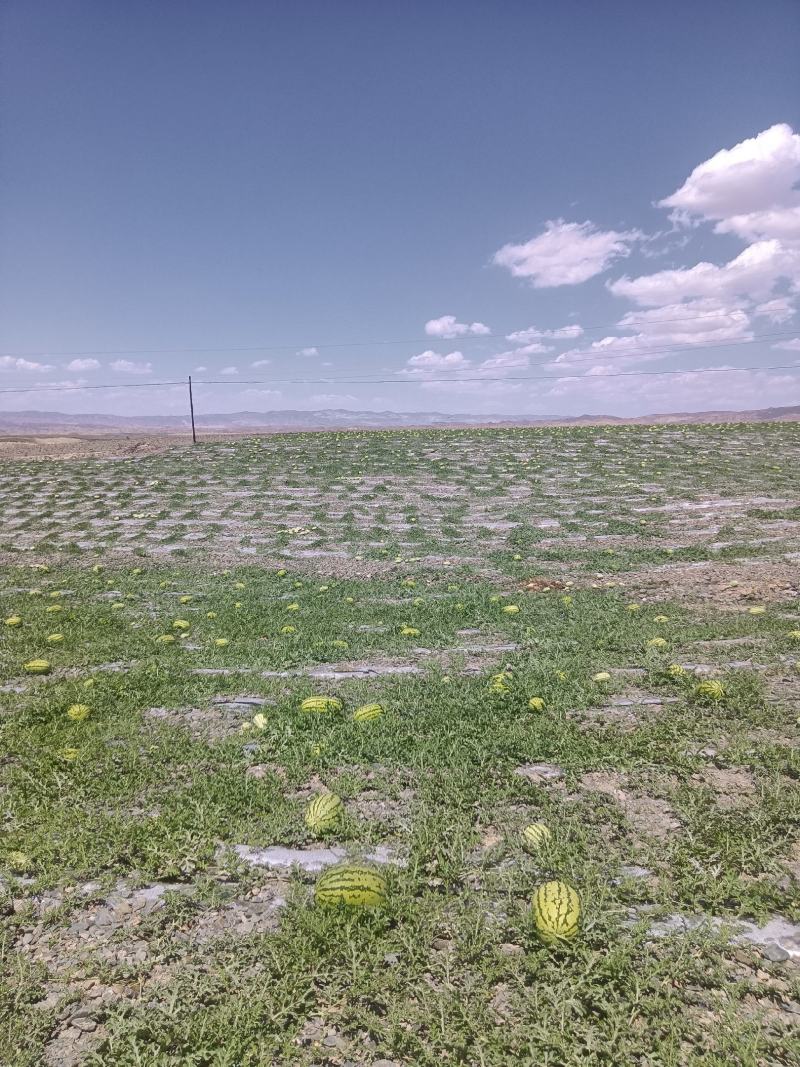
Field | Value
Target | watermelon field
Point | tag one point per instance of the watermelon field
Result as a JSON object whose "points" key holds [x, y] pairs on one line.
{"points": [[404, 748]]}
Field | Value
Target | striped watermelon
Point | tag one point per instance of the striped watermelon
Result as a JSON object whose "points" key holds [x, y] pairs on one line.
{"points": [[556, 911], [352, 884], [498, 683], [711, 690], [321, 704], [324, 812], [37, 666], [536, 836], [367, 712]]}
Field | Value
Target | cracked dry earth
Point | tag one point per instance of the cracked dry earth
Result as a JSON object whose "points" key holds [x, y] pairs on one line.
{"points": [[596, 631]]}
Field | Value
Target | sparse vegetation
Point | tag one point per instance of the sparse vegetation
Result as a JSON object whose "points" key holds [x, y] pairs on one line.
{"points": [[150, 910]]}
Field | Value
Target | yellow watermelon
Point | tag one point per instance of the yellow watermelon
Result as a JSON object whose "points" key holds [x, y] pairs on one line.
{"points": [[536, 836], [321, 704], [37, 666], [367, 712], [324, 812], [556, 911], [499, 683], [710, 690], [78, 712]]}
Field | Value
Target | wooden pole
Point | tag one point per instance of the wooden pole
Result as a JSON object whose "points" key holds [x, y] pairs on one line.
{"points": [[191, 411]]}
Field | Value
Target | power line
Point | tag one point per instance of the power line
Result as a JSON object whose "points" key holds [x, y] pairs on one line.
{"points": [[598, 355], [429, 339], [84, 388], [502, 378], [412, 381]]}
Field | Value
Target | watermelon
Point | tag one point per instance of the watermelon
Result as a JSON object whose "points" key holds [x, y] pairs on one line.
{"points": [[321, 704], [536, 836], [37, 666], [353, 885], [78, 712], [556, 911], [498, 683], [324, 812], [367, 712], [710, 690]]}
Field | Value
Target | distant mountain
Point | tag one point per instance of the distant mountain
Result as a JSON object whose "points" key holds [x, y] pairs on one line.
{"points": [[57, 422]]}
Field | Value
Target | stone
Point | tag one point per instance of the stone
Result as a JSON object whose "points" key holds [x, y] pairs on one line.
{"points": [[540, 772], [510, 949]]}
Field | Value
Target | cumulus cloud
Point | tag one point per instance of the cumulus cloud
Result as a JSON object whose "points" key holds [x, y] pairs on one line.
{"points": [[654, 332], [749, 190], [750, 275], [779, 310], [532, 333], [83, 364], [447, 327], [229, 371], [515, 359], [332, 400], [702, 389], [261, 363], [566, 253], [72, 384], [430, 364], [753, 192], [449, 372], [125, 366], [305, 352], [789, 346], [17, 363]]}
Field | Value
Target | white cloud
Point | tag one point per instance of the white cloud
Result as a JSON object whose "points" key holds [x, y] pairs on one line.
{"points": [[448, 327], [749, 190], [515, 359], [83, 364], [779, 310], [657, 330], [789, 346], [125, 366], [567, 253], [430, 364], [752, 191], [562, 333], [306, 352], [750, 275], [454, 373], [229, 371], [703, 389], [261, 363], [17, 363], [199, 370], [534, 347], [332, 400], [72, 384]]}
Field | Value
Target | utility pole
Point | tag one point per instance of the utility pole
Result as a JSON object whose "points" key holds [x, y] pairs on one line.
{"points": [[191, 411]]}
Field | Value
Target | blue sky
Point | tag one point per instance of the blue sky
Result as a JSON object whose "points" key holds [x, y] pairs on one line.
{"points": [[329, 175]]}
